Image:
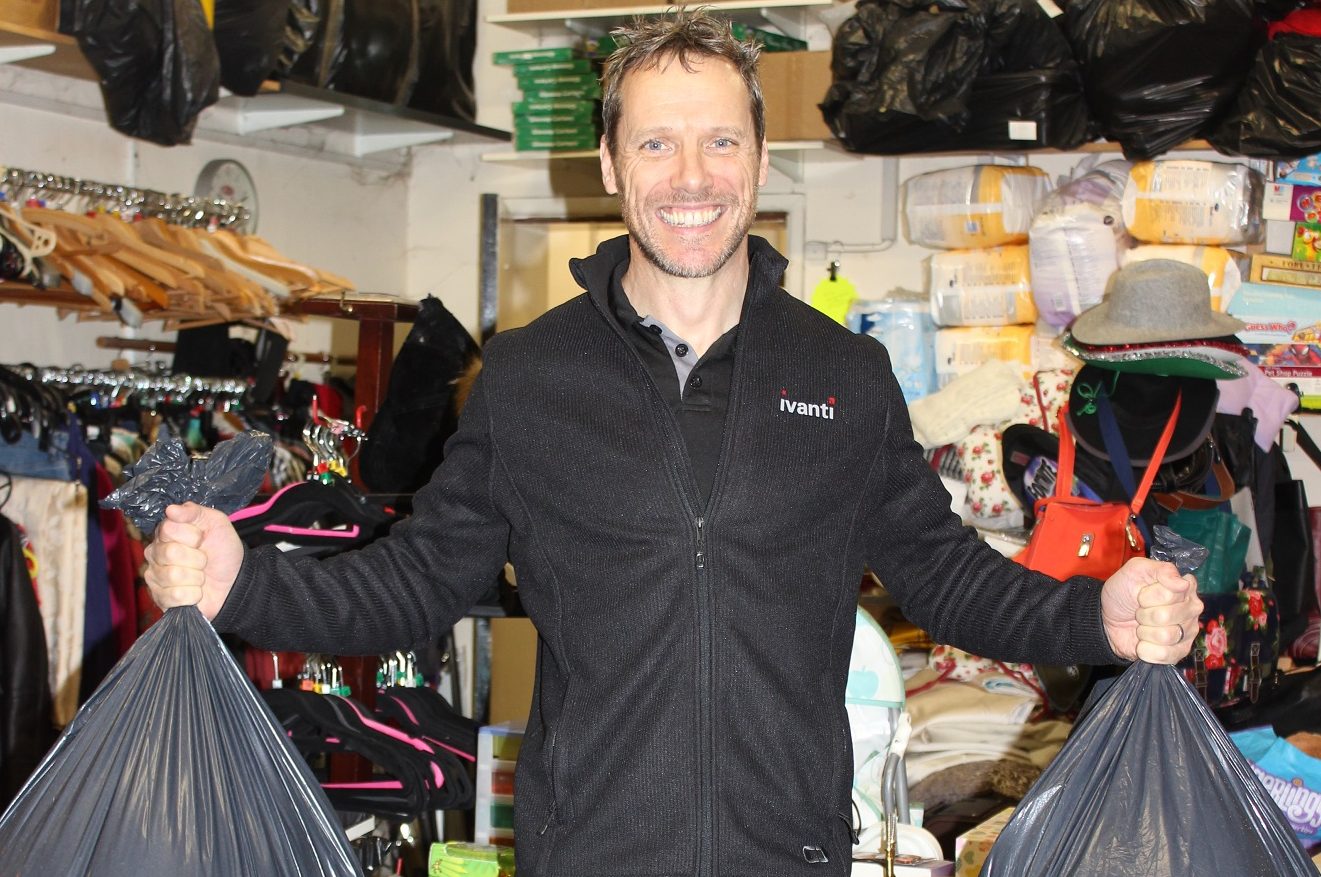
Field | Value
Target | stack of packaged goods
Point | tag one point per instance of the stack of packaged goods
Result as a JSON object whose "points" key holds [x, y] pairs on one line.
{"points": [[1281, 300], [560, 105], [984, 347], [978, 216], [1191, 211], [1075, 242]]}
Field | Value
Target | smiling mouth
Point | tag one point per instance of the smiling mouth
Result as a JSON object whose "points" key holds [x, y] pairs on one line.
{"points": [[689, 218]]}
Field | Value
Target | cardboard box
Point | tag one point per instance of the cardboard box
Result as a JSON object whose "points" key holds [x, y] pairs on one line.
{"points": [[973, 846], [1299, 171], [1270, 268], [1291, 203], [1277, 314], [793, 84], [39, 14]]}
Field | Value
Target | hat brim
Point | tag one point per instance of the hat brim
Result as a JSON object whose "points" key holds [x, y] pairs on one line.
{"points": [[1191, 361], [1142, 403], [1094, 326]]}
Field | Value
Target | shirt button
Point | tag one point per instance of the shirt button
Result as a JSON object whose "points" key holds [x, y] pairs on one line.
{"points": [[695, 381], [681, 350], [655, 330]]}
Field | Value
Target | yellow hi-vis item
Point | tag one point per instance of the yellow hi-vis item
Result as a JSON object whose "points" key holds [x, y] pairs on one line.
{"points": [[833, 295]]}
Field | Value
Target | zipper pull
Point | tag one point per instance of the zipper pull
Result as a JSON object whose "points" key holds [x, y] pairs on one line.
{"points": [[701, 554], [1128, 531], [550, 817]]}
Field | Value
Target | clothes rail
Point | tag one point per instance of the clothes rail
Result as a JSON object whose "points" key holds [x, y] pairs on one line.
{"points": [[132, 381], [173, 208]]}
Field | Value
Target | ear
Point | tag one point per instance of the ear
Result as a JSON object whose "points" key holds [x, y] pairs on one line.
{"points": [[608, 170], [764, 170]]}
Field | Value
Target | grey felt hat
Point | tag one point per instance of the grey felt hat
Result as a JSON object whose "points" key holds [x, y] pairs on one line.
{"points": [[1154, 300]]}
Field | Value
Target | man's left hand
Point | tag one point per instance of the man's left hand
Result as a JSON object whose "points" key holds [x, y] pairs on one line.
{"points": [[1150, 612]]}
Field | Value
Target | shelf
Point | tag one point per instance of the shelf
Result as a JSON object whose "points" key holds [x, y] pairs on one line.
{"points": [[791, 17], [285, 116]]}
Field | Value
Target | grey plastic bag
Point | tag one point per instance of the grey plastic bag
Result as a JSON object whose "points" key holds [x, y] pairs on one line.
{"points": [[174, 766], [1148, 785], [167, 474]]}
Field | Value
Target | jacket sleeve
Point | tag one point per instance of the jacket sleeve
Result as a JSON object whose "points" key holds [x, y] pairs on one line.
{"points": [[951, 583], [401, 590]]}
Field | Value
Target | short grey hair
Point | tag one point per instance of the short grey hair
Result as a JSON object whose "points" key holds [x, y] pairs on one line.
{"points": [[685, 35]]}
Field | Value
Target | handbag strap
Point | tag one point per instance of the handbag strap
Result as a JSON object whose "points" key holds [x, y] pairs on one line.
{"points": [[1064, 471], [1305, 443], [1149, 477], [1064, 466], [1120, 463]]}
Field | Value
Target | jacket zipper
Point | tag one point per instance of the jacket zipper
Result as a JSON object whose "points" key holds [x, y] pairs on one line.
{"points": [[705, 723]]}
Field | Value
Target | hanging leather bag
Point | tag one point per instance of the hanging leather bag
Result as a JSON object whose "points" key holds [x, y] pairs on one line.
{"points": [[1075, 536]]}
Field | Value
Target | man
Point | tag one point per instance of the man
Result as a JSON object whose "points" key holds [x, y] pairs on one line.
{"points": [[689, 469]]}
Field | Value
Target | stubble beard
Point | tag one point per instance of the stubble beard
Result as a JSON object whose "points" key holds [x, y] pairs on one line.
{"points": [[639, 222]]}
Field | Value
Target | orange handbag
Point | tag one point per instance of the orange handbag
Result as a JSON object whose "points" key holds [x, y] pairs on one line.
{"points": [[1076, 536]]}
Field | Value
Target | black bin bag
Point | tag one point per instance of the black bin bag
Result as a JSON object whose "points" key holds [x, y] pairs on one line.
{"points": [[1148, 785], [156, 61], [955, 74], [174, 766], [1160, 72], [1278, 112]]}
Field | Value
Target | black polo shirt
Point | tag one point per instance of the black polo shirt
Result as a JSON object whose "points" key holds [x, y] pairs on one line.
{"points": [[697, 390]]}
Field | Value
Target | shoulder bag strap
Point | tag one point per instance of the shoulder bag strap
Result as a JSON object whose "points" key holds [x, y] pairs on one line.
{"points": [[1120, 463], [1064, 465], [1149, 477], [1305, 443]]}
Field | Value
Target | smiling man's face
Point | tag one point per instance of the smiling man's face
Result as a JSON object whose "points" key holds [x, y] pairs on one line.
{"points": [[687, 164]]}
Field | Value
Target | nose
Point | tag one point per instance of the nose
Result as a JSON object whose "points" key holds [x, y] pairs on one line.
{"points": [[690, 171]]}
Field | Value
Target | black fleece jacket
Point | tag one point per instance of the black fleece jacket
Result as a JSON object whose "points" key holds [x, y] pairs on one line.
{"points": [[688, 718]]}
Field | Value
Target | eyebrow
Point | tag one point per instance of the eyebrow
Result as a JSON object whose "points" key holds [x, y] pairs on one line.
{"points": [[720, 131]]}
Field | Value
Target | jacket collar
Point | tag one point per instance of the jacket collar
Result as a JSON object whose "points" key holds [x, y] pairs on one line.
{"points": [[766, 267]]}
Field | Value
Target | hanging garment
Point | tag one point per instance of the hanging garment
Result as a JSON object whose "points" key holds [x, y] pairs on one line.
{"points": [[407, 437], [54, 514], [25, 704]]}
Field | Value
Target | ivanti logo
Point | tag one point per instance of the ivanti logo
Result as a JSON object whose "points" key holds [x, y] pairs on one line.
{"points": [[824, 410]]}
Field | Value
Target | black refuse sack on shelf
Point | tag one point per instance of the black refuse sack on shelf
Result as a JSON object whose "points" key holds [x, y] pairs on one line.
{"points": [[1278, 111], [1160, 72], [957, 74], [1147, 784], [378, 52], [447, 42], [156, 60], [174, 766], [406, 440], [250, 35]]}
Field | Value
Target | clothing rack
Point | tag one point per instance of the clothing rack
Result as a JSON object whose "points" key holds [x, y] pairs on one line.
{"points": [[173, 208], [133, 381]]}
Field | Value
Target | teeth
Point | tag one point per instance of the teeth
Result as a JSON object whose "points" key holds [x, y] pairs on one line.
{"points": [[689, 218]]}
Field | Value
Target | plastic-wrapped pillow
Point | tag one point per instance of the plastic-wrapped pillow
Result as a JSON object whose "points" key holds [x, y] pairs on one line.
{"points": [[1074, 242], [982, 205]]}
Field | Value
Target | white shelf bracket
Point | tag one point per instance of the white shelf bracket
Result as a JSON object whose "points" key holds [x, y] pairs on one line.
{"points": [[263, 112], [789, 163], [14, 54], [790, 22], [360, 134]]}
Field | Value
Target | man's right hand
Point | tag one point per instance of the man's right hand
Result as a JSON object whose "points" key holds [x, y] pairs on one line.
{"points": [[193, 559]]}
